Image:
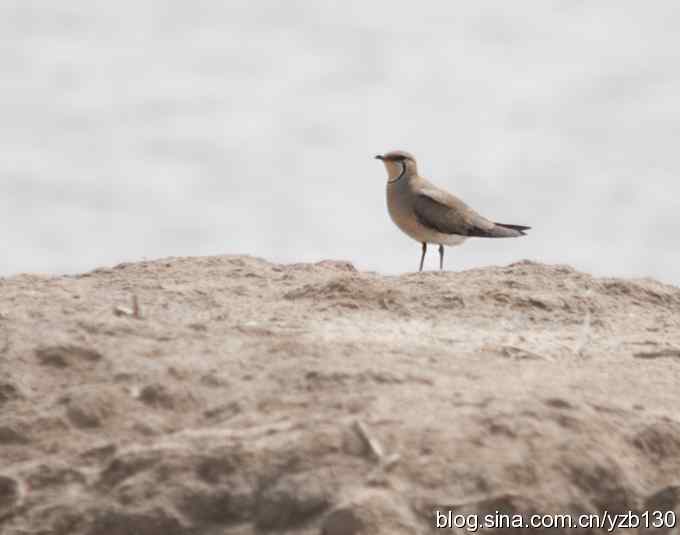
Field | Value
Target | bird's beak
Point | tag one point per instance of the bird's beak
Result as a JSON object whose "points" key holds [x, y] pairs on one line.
{"points": [[379, 157]]}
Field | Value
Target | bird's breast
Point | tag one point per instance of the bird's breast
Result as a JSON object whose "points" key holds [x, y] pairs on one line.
{"points": [[400, 208]]}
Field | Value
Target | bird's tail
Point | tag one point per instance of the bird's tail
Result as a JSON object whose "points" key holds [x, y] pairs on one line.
{"points": [[518, 228]]}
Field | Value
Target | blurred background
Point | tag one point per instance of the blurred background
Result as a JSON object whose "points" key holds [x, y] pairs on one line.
{"points": [[142, 129]]}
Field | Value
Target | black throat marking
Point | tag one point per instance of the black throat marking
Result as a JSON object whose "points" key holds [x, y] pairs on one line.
{"points": [[403, 170]]}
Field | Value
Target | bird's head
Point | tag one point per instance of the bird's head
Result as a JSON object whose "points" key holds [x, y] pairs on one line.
{"points": [[399, 164]]}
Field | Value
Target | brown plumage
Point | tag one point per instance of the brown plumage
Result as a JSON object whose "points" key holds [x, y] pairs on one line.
{"points": [[431, 215], [453, 216]]}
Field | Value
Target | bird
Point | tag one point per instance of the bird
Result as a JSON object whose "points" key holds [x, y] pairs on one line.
{"points": [[429, 214]]}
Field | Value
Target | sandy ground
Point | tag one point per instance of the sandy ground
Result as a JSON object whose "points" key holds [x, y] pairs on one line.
{"points": [[251, 397]]}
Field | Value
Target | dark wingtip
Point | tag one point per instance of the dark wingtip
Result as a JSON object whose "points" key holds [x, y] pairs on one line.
{"points": [[518, 228], [513, 227]]}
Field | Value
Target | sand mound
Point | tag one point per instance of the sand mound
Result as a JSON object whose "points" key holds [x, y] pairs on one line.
{"points": [[248, 397]]}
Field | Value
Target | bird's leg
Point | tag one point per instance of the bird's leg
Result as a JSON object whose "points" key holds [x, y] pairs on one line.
{"points": [[441, 257], [422, 258]]}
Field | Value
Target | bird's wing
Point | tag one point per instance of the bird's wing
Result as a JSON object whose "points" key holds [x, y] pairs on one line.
{"points": [[441, 211]]}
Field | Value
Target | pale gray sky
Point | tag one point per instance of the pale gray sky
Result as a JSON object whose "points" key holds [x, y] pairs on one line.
{"points": [[147, 129]]}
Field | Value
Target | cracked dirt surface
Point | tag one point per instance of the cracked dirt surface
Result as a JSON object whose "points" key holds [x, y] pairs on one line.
{"points": [[232, 405]]}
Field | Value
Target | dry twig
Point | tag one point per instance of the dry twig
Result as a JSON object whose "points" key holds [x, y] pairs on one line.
{"points": [[135, 311], [385, 462]]}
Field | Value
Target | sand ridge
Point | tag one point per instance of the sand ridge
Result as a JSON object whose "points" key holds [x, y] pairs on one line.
{"points": [[252, 397]]}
